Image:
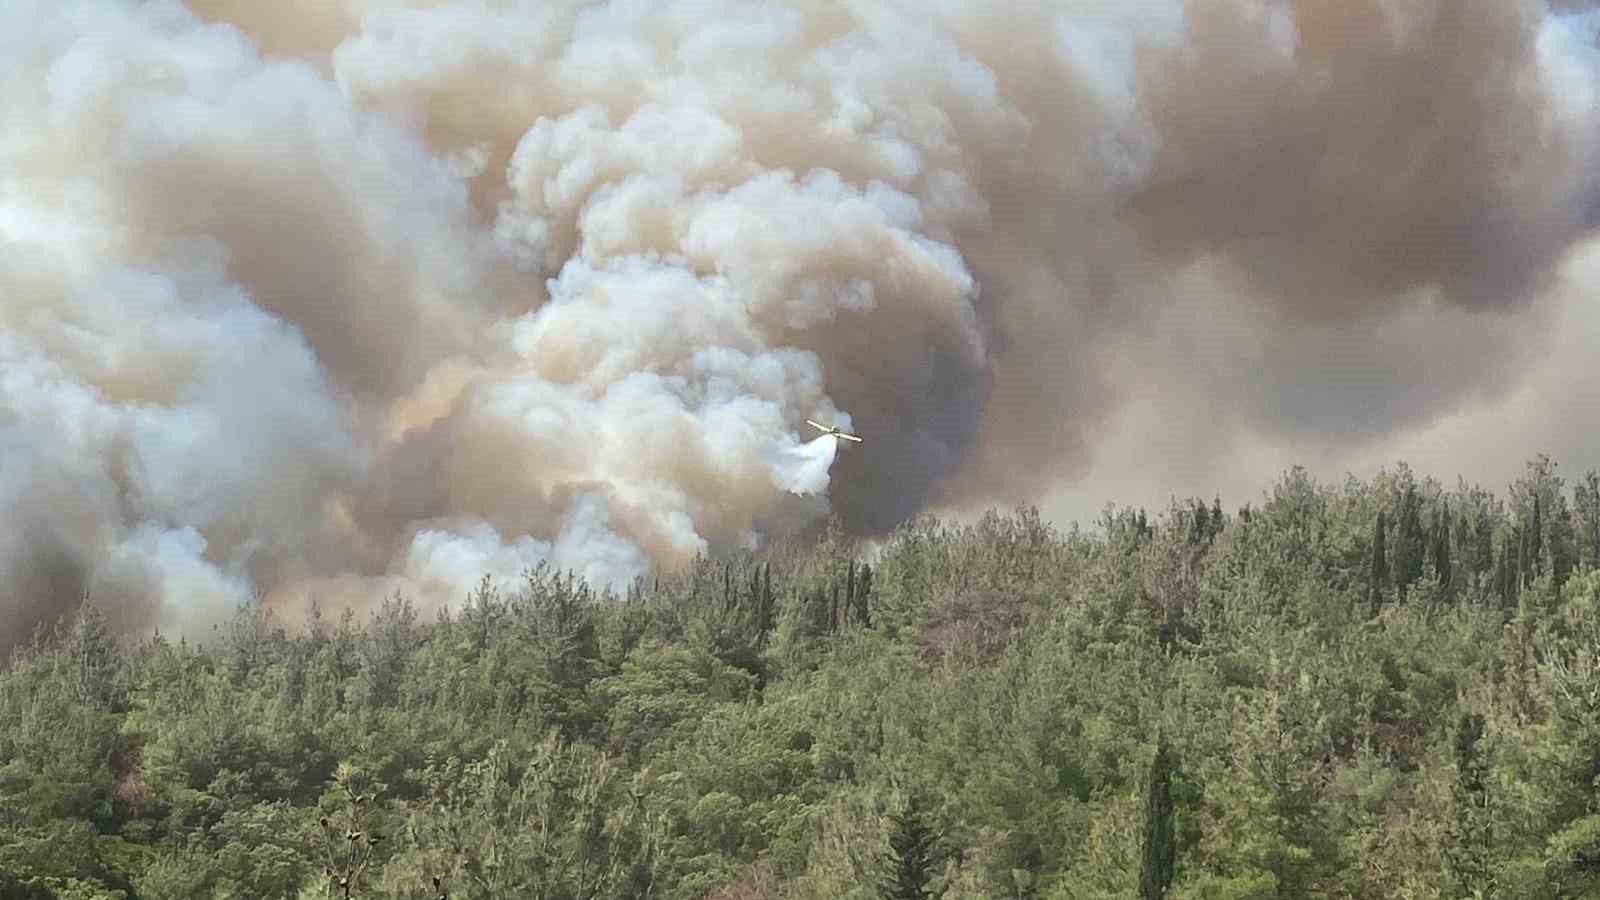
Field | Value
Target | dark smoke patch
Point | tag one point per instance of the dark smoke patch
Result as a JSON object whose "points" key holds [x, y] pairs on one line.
{"points": [[1381, 148], [45, 577]]}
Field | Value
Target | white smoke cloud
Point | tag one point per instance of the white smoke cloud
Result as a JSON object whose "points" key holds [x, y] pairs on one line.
{"points": [[170, 565], [324, 300]]}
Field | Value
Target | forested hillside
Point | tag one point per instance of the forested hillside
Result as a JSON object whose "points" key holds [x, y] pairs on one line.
{"points": [[1368, 689]]}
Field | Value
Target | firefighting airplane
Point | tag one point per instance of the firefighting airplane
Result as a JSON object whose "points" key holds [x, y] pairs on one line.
{"points": [[833, 430]]}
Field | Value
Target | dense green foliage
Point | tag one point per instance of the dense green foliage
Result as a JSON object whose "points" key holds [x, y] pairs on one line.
{"points": [[981, 707]]}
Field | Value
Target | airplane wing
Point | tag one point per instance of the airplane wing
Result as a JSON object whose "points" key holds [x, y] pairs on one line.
{"points": [[833, 430]]}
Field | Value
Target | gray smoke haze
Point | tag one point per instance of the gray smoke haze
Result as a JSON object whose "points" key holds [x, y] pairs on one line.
{"points": [[321, 300]]}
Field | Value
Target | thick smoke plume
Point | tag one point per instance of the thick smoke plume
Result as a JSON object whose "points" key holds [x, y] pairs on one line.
{"points": [[320, 300]]}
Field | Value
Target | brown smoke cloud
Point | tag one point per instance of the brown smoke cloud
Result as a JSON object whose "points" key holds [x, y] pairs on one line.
{"points": [[324, 300]]}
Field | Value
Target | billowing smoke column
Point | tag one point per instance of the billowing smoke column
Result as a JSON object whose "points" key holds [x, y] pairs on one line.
{"points": [[323, 300]]}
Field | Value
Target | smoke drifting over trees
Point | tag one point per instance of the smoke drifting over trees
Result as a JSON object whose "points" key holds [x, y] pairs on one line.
{"points": [[330, 299]]}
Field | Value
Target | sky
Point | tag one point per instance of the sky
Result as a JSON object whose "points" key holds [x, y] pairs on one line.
{"points": [[325, 299]]}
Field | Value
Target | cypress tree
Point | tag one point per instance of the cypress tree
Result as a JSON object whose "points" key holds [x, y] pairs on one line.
{"points": [[1199, 523], [863, 593], [1160, 850], [1535, 543], [1380, 565], [815, 601], [1469, 857], [1483, 532], [1589, 509], [1523, 567], [1563, 542], [1505, 574], [1409, 546], [1441, 545], [911, 856], [764, 606], [849, 586]]}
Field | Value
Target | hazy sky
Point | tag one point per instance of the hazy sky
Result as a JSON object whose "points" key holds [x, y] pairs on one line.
{"points": [[1167, 442], [328, 298]]}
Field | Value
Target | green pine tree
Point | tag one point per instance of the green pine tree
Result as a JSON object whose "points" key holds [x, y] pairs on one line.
{"points": [[94, 653]]}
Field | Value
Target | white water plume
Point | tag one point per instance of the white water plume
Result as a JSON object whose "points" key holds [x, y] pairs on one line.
{"points": [[803, 469]]}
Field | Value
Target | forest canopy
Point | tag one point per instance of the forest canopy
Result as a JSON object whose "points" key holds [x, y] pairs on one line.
{"points": [[1377, 688]]}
